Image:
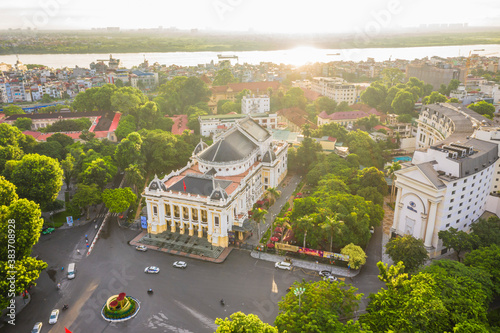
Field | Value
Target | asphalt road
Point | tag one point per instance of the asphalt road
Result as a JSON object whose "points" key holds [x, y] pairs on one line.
{"points": [[183, 300]]}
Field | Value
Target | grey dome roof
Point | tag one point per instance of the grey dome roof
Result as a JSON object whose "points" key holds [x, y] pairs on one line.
{"points": [[156, 185], [269, 156], [200, 147]]}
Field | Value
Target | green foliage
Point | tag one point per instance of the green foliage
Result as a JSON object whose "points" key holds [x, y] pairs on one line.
{"points": [[392, 76], [331, 129], [133, 176], [7, 192], [325, 104], [76, 125], [99, 172], [223, 77], [87, 195], [357, 257], [37, 178], [434, 97], [51, 149], [193, 114], [405, 118], [483, 108], [457, 240], [403, 102], [301, 159], [126, 126], [374, 95], [118, 200], [13, 109], [295, 98], [229, 107], [11, 141], [24, 124], [129, 151], [240, 322], [487, 259], [321, 306], [182, 92], [361, 144], [487, 231], [368, 122], [409, 250], [86, 135], [127, 100]]}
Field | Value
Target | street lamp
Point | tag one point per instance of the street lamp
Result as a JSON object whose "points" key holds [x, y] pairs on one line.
{"points": [[298, 292]]}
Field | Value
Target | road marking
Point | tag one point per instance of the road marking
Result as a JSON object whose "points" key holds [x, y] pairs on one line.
{"points": [[209, 322], [274, 288]]}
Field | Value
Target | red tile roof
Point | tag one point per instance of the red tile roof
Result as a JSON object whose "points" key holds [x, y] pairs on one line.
{"points": [[311, 95], [296, 116], [255, 87]]}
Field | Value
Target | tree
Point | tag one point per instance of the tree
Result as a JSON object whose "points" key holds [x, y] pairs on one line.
{"points": [[405, 118], [126, 126], [487, 259], [457, 240], [409, 250], [333, 226], [127, 100], [133, 176], [86, 196], [86, 135], [102, 97], [51, 149], [325, 104], [147, 115], [357, 256], [12, 110], [240, 322], [223, 77], [371, 177], [391, 173], [46, 98], [374, 95], [483, 108], [318, 308], [129, 151], [118, 200], [63, 139], [37, 178], [193, 114], [434, 97], [229, 107], [7, 192], [259, 216], [161, 152], [295, 98], [24, 124], [406, 305], [392, 76], [99, 172], [403, 102], [487, 231], [273, 194], [85, 100], [68, 167], [368, 122]]}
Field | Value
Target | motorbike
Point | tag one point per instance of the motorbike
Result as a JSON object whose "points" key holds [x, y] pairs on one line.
{"points": [[65, 307], [150, 291], [222, 302]]}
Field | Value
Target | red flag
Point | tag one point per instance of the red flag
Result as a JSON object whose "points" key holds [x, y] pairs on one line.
{"points": [[66, 330], [183, 183]]}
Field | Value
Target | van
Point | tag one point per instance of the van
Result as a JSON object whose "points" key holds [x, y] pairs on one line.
{"points": [[71, 271]]}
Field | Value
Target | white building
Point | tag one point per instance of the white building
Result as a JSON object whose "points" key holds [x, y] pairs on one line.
{"points": [[212, 195], [450, 178], [336, 89], [253, 104], [214, 124]]}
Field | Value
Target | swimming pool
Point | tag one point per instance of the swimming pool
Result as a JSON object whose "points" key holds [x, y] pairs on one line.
{"points": [[401, 159]]}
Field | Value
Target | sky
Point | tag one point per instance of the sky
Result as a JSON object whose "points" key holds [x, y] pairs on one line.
{"points": [[263, 16]]}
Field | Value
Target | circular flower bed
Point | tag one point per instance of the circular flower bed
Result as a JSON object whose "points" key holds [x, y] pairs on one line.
{"points": [[120, 308]]}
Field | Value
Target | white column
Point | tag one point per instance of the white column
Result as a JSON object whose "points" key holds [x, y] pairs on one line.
{"points": [[161, 213], [431, 222], [397, 211], [190, 221], [200, 228]]}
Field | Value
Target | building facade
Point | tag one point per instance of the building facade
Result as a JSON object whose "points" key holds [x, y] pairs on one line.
{"points": [[253, 104], [215, 124], [212, 194], [335, 88]]}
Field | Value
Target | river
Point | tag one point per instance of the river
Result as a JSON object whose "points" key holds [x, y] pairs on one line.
{"points": [[298, 56]]}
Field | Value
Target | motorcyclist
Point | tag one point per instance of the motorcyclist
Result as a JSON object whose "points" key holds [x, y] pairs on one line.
{"points": [[222, 301], [65, 306], [58, 286], [150, 290]]}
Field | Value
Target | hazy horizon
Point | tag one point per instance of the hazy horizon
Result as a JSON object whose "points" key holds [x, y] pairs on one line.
{"points": [[279, 16]]}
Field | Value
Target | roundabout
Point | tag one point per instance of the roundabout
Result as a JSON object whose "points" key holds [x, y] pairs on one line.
{"points": [[120, 308]]}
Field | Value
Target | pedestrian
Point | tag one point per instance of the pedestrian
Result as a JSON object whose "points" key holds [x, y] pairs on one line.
{"points": [[78, 251]]}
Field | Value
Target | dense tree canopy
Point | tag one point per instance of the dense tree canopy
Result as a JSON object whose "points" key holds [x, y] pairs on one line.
{"points": [[409, 250], [239, 322], [223, 77], [119, 199], [37, 178], [484, 108]]}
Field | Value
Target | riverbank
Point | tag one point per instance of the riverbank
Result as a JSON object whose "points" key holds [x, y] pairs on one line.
{"points": [[128, 42]]}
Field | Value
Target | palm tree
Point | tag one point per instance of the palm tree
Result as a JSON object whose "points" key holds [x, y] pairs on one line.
{"points": [[304, 223], [391, 173], [259, 215], [273, 194], [332, 225]]}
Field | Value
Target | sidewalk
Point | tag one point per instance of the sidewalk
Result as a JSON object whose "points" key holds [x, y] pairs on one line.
{"points": [[339, 271], [275, 209]]}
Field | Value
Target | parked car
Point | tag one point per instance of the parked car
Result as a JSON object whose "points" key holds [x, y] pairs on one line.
{"points": [[47, 231], [330, 278], [180, 264], [325, 273], [152, 270], [53, 316], [142, 248], [283, 265], [37, 328]]}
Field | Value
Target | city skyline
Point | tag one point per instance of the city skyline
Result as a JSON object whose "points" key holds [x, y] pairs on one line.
{"points": [[316, 16]]}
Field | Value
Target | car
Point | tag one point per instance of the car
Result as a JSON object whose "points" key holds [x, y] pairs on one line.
{"points": [[325, 273], [37, 328], [372, 230], [152, 270], [283, 265], [330, 278], [53, 316], [180, 264], [48, 231], [142, 248]]}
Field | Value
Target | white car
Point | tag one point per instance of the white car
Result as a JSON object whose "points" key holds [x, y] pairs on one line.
{"points": [[152, 270], [37, 328], [180, 264], [53, 316], [330, 278], [142, 248], [283, 265]]}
